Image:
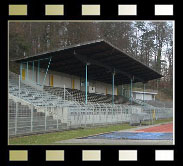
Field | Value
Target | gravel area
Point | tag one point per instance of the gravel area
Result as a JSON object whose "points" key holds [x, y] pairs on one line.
{"points": [[114, 142]]}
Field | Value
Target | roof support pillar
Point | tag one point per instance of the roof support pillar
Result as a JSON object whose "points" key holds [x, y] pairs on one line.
{"points": [[86, 83], [47, 71], [27, 71], [113, 75], [143, 91], [20, 71], [33, 71], [131, 86], [122, 90], [38, 72]]}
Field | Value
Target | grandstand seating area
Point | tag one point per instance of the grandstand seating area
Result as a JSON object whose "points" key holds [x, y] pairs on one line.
{"points": [[32, 110], [55, 95], [31, 94], [79, 95]]}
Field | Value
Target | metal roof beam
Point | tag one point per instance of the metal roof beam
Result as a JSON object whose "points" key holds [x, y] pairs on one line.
{"points": [[84, 59], [70, 70], [112, 56], [102, 52], [117, 81]]}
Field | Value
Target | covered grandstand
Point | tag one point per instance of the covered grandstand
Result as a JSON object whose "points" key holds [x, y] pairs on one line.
{"points": [[78, 86]]}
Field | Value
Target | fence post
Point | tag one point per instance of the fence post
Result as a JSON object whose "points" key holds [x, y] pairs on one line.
{"points": [[149, 116], [85, 114], [100, 112], [32, 118], [117, 113], [57, 117], [107, 113], [81, 116], [8, 119], [152, 116], [19, 84], [16, 116], [93, 115], [64, 93], [45, 118]]}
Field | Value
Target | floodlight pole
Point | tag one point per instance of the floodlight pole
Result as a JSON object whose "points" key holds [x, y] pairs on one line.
{"points": [[86, 84]]}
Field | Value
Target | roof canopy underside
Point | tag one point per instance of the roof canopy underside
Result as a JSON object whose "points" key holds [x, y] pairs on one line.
{"points": [[103, 59]]}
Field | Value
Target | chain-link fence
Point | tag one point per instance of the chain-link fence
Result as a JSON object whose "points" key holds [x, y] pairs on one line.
{"points": [[25, 119], [32, 110]]}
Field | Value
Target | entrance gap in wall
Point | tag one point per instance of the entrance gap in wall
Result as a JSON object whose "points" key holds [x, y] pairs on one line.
{"points": [[51, 80], [73, 84], [23, 74]]}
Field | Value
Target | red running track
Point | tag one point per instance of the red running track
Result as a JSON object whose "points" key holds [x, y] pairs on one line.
{"points": [[164, 128]]}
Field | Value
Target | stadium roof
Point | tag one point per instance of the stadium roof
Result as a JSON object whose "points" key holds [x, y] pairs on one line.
{"points": [[103, 59]]}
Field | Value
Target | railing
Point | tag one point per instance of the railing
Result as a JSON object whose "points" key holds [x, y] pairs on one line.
{"points": [[140, 102], [34, 96], [26, 119], [33, 111]]}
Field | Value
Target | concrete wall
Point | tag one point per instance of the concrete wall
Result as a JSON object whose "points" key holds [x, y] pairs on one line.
{"points": [[100, 88], [61, 79], [146, 96], [56, 80]]}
